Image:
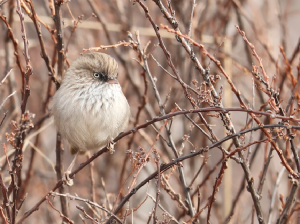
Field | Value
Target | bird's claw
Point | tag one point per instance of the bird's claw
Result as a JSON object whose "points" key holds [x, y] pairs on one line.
{"points": [[66, 178], [110, 147]]}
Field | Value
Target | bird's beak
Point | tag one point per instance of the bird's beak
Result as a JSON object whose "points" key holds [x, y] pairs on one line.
{"points": [[112, 81]]}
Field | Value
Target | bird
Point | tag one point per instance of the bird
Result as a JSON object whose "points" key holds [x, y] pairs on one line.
{"points": [[89, 108]]}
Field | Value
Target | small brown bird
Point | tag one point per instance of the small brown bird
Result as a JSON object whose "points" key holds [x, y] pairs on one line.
{"points": [[89, 108]]}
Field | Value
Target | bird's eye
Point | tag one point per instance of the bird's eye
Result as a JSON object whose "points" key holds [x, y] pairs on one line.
{"points": [[101, 76], [96, 75]]}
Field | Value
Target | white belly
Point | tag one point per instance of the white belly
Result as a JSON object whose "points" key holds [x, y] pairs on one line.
{"points": [[90, 118]]}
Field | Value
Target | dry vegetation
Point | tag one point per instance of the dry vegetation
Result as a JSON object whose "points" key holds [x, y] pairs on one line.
{"points": [[214, 93]]}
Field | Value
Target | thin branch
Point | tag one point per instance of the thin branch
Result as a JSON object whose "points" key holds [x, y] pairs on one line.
{"points": [[4, 101], [92, 203], [273, 197], [163, 167], [283, 218]]}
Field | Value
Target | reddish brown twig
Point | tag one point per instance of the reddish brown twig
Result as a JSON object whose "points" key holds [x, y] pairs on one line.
{"points": [[164, 166], [15, 43], [61, 214], [105, 47], [216, 188], [238, 94], [6, 201], [44, 54], [155, 219], [289, 201], [146, 157]]}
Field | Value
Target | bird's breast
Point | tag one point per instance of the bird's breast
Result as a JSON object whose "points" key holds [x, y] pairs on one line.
{"points": [[97, 100]]}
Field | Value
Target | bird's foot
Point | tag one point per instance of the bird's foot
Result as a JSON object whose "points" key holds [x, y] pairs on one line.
{"points": [[66, 178], [110, 146]]}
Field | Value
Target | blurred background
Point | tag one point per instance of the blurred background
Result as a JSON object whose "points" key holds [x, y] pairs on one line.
{"points": [[122, 29]]}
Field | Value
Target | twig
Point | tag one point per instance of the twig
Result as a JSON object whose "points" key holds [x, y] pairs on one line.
{"points": [[140, 108], [198, 213], [191, 19], [17, 162], [3, 118], [5, 77], [283, 218], [22, 202], [162, 112], [242, 185], [3, 2], [59, 173], [3, 216], [60, 43], [264, 173], [44, 54], [6, 99], [155, 219], [105, 47], [195, 124], [163, 209], [170, 191], [10, 34], [238, 94], [127, 212], [216, 188], [92, 203], [146, 157], [256, 32], [199, 171], [101, 20], [273, 197], [86, 214], [6, 202], [60, 73], [163, 166], [226, 118], [293, 93], [296, 51], [29, 69], [93, 195], [61, 214]]}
